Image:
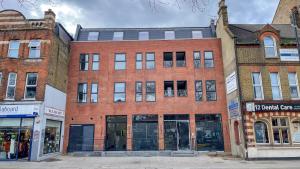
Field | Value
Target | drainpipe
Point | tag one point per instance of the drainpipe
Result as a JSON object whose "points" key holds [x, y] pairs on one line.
{"points": [[240, 96], [294, 24]]}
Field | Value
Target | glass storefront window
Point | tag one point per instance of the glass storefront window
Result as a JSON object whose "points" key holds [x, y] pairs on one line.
{"points": [[296, 131], [52, 136]]}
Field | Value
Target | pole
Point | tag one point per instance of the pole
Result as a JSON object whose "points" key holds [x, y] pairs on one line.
{"points": [[294, 24]]}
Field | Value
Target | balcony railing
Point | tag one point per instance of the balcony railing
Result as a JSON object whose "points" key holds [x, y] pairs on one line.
{"points": [[169, 93], [182, 93], [180, 63], [168, 63]]}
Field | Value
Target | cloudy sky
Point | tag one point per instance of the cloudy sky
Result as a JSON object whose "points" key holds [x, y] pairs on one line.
{"points": [[146, 13]]}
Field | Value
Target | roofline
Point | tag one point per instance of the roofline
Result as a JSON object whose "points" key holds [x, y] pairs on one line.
{"points": [[15, 11], [65, 30], [130, 28]]}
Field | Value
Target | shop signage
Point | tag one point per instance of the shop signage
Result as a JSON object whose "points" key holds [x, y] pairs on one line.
{"points": [[15, 110], [233, 108], [289, 55], [231, 85], [269, 107], [54, 112]]}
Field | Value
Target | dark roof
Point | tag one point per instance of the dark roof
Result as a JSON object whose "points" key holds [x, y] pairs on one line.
{"points": [[106, 34], [62, 33], [247, 33]]}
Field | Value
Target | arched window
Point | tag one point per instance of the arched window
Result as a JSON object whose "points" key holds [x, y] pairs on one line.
{"points": [[261, 132], [270, 46], [296, 131]]}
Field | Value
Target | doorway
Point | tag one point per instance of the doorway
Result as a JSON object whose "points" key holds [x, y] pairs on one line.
{"points": [[116, 133], [177, 132]]}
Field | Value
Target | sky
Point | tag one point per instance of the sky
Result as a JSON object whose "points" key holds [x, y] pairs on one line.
{"points": [[145, 13]]}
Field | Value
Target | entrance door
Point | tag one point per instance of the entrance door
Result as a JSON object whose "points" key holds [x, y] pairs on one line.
{"points": [[81, 138], [177, 133], [116, 133]]}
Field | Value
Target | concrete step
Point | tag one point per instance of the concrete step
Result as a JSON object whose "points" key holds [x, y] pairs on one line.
{"points": [[184, 153]]}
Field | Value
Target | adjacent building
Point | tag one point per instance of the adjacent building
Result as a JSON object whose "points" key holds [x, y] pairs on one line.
{"points": [[262, 69], [283, 12], [146, 89], [34, 56]]}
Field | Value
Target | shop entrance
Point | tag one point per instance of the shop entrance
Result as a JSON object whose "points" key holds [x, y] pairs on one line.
{"points": [[177, 132], [116, 133], [81, 138], [15, 138]]}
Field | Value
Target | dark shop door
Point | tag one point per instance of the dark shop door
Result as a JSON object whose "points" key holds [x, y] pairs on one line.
{"points": [[81, 138], [116, 133]]}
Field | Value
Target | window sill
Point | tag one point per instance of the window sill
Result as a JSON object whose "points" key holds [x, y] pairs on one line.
{"points": [[295, 98], [29, 99], [9, 99]]}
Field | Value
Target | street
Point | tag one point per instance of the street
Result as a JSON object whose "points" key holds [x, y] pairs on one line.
{"points": [[199, 162]]}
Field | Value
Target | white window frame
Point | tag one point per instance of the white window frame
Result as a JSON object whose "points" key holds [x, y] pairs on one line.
{"points": [[294, 85], [95, 62], [37, 47], [143, 35], [274, 47], [93, 36], [277, 85], [169, 35], [118, 36], [94, 93], [26, 85], [197, 35], [10, 48], [257, 85], [8, 85]]}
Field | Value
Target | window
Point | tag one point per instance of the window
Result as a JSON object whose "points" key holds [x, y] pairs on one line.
{"points": [[118, 35], [93, 36], [197, 59], [84, 62], [180, 59], [211, 93], [280, 130], [52, 136], [270, 47], [169, 88], [150, 61], [208, 59], [11, 86], [181, 88], [168, 59], [169, 35], [96, 61], [143, 35], [150, 92], [296, 131], [82, 93], [31, 84], [120, 61], [138, 91], [257, 86], [294, 87], [198, 90], [275, 84], [197, 34], [34, 48], [120, 92], [94, 93], [1, 76], [139, 61], [261, 132], [13, 49]]}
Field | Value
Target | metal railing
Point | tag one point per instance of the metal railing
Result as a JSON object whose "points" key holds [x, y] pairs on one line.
{"points": [[169, 93], [182, 93], [180, 63], [168, 63]]}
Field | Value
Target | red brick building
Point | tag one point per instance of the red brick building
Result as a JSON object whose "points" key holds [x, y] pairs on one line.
{"points": [[146, 89]]}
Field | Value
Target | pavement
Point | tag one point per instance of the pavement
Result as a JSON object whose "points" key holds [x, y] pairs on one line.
{"points": [[199, 162]]}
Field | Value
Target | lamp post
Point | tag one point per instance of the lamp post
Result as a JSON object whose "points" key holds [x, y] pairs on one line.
{"points": [[294, 24]]}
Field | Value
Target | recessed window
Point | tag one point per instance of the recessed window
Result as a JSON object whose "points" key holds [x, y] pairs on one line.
{"points": [[11, 86], [169, 35], [13, 49], [34, 49], [150, 60], [168, 59], [169, 88], [197, 59], [96, 61], [138, 91], [181, 88], [280, 130], [120, 61], [82, 93], [120, 92], [139, 61], [275, 84], [257, 86], [211, 90], [93, 36], [143, 35], [197, 34], [31, 84], [84, 62], [208, 59], [94, 93], [198, 90], [270, 47], [118, 35], [261, 132], [150, 92], [294, 87], [180, 59]]}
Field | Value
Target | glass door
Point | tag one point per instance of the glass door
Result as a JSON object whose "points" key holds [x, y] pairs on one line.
{"points": [[116, 133], [170, 135], [183, 135]]}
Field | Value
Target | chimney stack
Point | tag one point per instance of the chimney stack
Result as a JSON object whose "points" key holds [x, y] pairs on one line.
{"points": [[49, 17], [223, 14]]}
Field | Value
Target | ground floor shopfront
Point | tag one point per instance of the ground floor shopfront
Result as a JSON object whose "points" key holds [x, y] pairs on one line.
{"points": [[150, 132]]}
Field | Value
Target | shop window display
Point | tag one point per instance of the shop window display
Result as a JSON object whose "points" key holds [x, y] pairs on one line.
{"points": [[52, 136]]}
